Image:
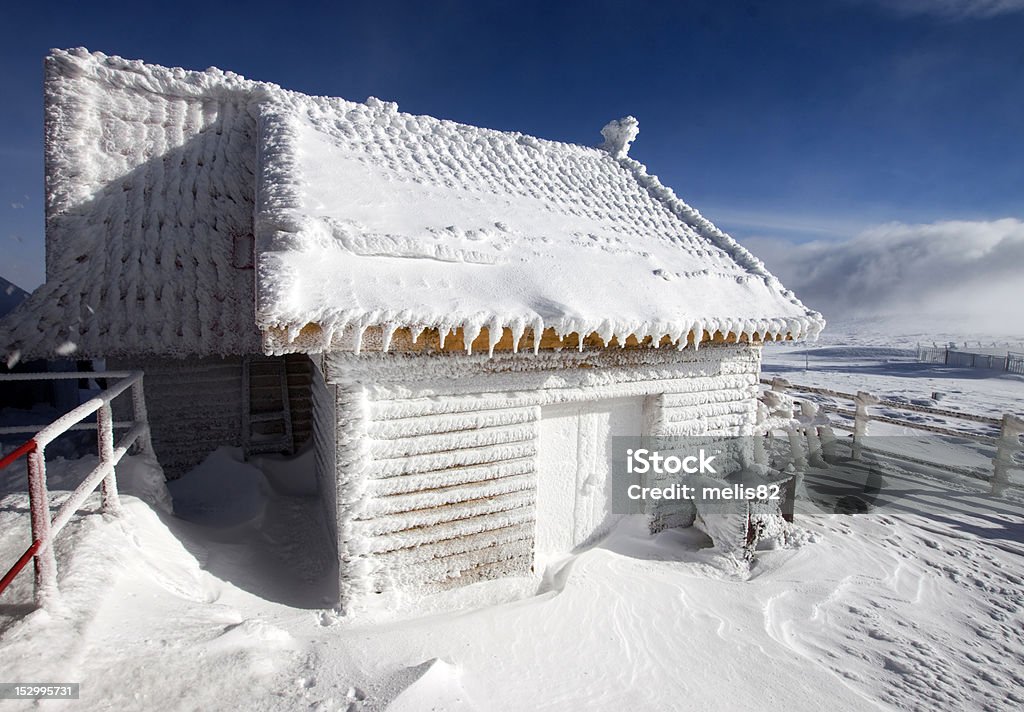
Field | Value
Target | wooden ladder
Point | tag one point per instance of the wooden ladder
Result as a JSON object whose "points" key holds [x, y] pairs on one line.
{"points": [[266, 409]]}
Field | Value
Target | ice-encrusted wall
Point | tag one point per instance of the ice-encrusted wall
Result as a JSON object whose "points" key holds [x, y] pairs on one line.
{"points": [[436, 455], [325, 426], [194, 406]]}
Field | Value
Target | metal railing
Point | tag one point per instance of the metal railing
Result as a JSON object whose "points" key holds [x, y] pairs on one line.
{"points": [[45, 529], [1006, 438], [1010, 361], [1015, 363]]}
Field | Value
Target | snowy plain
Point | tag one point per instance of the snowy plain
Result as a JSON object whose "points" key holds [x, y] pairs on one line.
{"points": [[917, 604]]}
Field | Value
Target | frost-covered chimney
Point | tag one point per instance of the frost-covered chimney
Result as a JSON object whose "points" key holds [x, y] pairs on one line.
{"points": [[618, 135]]}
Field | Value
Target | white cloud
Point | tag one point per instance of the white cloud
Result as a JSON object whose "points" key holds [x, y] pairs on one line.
{"points": [[954, 9], [956, 270]]}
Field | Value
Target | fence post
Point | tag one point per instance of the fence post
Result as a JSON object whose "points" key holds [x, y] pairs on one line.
{"points": [[139, 415], [105, 435], [39, 509], [861, 420], [1009, 443]]}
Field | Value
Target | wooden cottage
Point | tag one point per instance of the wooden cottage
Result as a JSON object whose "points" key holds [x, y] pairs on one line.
{"points": [[460, 318]]}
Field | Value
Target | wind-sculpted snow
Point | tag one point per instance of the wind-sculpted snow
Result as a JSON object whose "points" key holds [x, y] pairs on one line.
{"points": [[913, 606]]}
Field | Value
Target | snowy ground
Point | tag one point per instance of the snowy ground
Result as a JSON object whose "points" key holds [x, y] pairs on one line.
{"points": [[916, 605]]}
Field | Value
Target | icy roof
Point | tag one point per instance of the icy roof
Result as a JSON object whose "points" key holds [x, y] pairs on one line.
{"points": [[364, 217], [371, 217]]}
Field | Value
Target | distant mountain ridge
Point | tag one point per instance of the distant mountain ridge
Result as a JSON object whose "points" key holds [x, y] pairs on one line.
{"points": [[11, 295]]}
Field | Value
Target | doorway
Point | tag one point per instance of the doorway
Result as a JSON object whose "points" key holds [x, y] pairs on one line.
{"points": [[574, 486]]}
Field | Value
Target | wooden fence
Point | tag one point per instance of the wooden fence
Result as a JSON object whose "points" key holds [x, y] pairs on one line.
{"points": [[1004, 433]]}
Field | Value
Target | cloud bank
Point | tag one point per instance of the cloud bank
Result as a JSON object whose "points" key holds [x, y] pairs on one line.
{"points": [[955, 271]]}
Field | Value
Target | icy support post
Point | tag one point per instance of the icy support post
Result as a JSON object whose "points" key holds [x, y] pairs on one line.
{"points": [[861, 420], [45, 561], [796, 435], [819, 434], [827, 438], [1009, 442], [145, 441], [105, 436]]}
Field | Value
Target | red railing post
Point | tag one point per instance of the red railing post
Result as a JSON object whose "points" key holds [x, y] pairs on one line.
{"points": [[44, 528], [16, 453], [18, 566], [139, 414], [39, 508], [105, 447]]}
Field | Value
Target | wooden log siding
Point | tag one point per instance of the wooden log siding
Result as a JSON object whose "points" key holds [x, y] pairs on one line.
{"points": [[299, 371], [194, 406], [449, 496], [706, 407], [437, 454]]}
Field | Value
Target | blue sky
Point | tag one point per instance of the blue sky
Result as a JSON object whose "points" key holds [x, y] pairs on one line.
{"points": [[789, 120]]}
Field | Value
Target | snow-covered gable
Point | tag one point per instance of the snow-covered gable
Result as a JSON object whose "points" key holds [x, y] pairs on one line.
{"points": [[365, 218], [149, 202]]}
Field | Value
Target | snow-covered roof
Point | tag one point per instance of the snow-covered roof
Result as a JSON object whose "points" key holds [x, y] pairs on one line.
{"points": [[364, 217]]}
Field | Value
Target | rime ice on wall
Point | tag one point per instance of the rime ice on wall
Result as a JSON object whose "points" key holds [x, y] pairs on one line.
{"points": [[149, 195], [194, 407], [443, 491]]}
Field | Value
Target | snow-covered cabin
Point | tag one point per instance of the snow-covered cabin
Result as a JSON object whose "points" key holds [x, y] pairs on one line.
{"points": [[460, 317]]}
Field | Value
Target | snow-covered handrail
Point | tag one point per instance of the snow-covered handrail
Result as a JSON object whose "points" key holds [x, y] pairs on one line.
{"points": [[43, 528]]}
